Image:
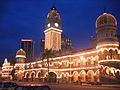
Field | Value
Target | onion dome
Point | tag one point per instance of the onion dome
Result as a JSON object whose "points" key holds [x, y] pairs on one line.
{"points": [[106, 19], [53, 14], [21, 53]]}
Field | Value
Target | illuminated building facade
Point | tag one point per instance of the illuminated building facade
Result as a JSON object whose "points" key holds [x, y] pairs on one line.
{"points": [[28, 46], [98, 64], [6, 69], [53, 31], [66, 45]]}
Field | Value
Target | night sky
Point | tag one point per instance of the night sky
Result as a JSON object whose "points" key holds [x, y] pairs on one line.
{"points": [[26, 19]]}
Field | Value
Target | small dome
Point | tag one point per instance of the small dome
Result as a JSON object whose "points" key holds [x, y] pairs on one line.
{"points": [[106, 19], [21, 52]]}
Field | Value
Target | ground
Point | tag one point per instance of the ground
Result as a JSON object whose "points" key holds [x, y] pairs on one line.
{"points": [[76, 86]]}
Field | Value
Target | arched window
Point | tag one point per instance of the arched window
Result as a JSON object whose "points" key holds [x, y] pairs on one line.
{"points": [[75, 76], [90, 76], [83, 76]]}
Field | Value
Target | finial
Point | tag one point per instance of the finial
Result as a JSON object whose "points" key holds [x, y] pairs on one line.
{"points": [[104, 12], [21, 49], [53, 8], [5, 60]]}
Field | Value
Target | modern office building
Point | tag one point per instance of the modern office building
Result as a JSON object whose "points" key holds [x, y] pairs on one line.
{"points": [[28, 46], [42, 46]]}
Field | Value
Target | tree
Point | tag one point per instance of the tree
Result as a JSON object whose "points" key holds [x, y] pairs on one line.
{"points": [[47, 55]]}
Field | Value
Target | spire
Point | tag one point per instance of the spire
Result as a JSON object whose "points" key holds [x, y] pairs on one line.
{"points": [[53, 8], [6, 61], [104, 12]]}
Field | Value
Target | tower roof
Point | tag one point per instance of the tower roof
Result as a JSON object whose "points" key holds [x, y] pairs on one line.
{"points": [[53, 8], [20, 53], [53, 14], [106, 19], [6, 63]]}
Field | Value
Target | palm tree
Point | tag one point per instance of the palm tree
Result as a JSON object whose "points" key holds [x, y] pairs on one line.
{"points": [[47, 55]]}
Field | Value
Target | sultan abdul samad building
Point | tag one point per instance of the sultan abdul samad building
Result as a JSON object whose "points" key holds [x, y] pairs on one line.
{"points": [[98, 64]]}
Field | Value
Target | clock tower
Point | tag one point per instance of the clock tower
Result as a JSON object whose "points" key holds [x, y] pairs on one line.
{"points": [[53, 31]]}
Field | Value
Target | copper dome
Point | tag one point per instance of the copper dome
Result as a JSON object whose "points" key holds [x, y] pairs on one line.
{"points": [[21, 52], [53, 14], [106, 19]]}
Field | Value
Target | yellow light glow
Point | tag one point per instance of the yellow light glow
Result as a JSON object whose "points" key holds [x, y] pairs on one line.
{"points": [[20, 56], [109, 61], [98, 46], [53, 29]]}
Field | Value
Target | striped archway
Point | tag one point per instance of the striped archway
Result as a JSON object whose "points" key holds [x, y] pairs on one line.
{"points": [[90, 76], [75, 76], [83, 76], [32, 76]]}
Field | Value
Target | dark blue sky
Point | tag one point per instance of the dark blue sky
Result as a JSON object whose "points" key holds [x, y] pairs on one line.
{"points": [[26, 18]]}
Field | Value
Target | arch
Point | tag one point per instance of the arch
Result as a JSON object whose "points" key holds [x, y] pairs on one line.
{"points": [[97, 79], [112, 71], [90, 76], [106, 70], [75, 62], [49, 72], [105, 53], [82, 62], [32, 76], [37, 75], [117, 74], [83, 76], [26, 74], [110, 53], [115, 56], [67, 63], [67, 76], [63, 63], [62, 76], [75, 76], [102, 68], [52, 77]]}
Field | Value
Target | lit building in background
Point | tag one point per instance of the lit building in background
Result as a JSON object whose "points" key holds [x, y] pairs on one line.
{"points": [[42, 46], [66, 43], [28, 46], [93, 65]]}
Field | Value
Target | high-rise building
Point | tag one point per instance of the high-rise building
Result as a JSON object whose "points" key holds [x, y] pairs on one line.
{"points": [[66, 43], [28, 46], [42, 46]]}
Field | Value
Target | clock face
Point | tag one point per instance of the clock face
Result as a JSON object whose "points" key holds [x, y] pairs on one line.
{"points": [[56, 25], [48, 25]]}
